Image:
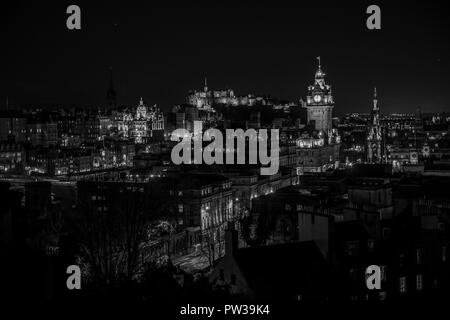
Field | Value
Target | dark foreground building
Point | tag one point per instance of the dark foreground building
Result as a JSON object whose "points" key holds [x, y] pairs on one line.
{"points": [[293, 271]]}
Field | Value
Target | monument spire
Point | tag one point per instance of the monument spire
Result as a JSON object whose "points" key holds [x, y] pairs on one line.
{"points": [[375, 134], [375, 99]]}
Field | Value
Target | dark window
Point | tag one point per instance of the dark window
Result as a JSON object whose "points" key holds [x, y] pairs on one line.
{"points": [[352, 247], [386, 233], [419, 256], [370, 244]]}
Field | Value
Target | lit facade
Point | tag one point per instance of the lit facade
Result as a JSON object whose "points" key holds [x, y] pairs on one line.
{"points": [[141, 124], [206, 99]]}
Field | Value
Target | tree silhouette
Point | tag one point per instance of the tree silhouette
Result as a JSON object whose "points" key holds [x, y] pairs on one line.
{"points": [[114, 228]]}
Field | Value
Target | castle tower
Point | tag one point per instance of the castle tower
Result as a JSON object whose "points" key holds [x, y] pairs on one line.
{"points": [[320, 103], [374, 137]]}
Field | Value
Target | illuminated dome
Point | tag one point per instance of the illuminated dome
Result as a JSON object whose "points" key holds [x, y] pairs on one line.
{"points": [[141, 110]]}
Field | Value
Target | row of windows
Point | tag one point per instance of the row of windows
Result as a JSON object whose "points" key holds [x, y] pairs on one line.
{"points": [[206, 191], [179, 193], [227, 185], [96, 197], [403, 287], [419, 255], [288, 207], [10, 155]]}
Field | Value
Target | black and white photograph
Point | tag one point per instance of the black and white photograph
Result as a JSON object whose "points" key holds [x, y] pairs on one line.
{"points": [[225, 159]]}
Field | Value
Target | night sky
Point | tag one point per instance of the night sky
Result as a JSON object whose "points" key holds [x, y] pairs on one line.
{"points": [[160, 52]]}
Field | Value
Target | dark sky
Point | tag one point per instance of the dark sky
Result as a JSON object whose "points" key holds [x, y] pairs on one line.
{"points": [[161, 51]]}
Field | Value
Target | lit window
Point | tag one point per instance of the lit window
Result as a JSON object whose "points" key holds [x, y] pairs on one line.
{"points": [[180, 208], [383, 273], [419, 282], [418, 256], [352, 248], [370, 244], [402, 283]]}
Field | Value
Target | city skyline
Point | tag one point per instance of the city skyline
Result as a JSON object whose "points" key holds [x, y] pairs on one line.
{"points": [[251, 49], [199, 154]]}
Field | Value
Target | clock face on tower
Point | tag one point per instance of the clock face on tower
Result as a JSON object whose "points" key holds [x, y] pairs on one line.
{"points": [[317, 98]]}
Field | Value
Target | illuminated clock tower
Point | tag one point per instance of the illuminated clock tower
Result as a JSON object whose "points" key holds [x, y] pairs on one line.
{"points": [[320, 103]]}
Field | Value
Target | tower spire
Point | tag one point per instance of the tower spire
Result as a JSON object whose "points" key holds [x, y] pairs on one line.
{"points": [[206, 84], [375, 99], [320, 75], [375, 137]]}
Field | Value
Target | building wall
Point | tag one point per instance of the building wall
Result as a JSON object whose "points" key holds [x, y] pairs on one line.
{"points": [[318, 228]]}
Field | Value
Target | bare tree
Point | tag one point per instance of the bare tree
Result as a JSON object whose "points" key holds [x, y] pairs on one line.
{"points": [[213, 243], [114, 230]]}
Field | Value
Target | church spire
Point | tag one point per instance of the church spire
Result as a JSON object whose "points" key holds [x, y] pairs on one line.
{"points": [[375, 99]]}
